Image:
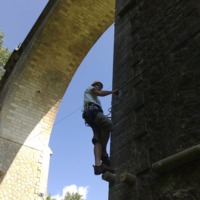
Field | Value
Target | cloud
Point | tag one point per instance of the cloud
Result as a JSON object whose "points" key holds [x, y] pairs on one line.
{"points": [[72, 189]]}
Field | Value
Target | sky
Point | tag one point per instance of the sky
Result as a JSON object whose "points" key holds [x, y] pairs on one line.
{"points": [[72, 159]]}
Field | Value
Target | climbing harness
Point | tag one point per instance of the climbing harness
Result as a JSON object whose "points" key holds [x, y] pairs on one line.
{"points": [[90, 112]]}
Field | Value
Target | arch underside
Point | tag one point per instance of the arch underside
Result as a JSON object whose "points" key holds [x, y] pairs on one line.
{"points": [[49, 57], [40, 72]]}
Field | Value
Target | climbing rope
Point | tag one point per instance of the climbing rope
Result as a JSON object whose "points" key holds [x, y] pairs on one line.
{"points": [[118, 98], [122, 91]]}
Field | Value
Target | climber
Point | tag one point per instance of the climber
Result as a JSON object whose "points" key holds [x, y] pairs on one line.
{"points": [[100, 124]]}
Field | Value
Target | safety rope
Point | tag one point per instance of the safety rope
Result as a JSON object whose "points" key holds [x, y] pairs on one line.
{"points": [[122, 92], [117, 98]]}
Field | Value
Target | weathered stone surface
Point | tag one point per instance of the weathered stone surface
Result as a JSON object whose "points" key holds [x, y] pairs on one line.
{"points": [[37, 76], [156, 66]]}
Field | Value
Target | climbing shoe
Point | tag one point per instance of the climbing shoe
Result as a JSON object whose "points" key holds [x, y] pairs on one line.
{"points": [[105, 160], [100, 169]]}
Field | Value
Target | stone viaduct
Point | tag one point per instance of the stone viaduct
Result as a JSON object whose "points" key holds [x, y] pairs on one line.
{"points": [[155, 140], [37, 76]]}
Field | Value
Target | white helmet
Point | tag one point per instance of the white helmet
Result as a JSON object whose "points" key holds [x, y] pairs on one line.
{"points": [[95, 82]]}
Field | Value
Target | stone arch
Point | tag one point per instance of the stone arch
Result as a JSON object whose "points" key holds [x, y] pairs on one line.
{"points": [[37, 76]]}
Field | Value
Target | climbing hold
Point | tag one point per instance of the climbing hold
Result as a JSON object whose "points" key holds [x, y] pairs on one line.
{"points": [[177, 160], [109, 177], [128, 178]]}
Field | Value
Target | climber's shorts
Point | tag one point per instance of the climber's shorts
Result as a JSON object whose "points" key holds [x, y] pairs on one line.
{"points": [[102, 125]]}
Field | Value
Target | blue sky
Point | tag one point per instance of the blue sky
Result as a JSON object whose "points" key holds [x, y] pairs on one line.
{"points": [[72, 159]]}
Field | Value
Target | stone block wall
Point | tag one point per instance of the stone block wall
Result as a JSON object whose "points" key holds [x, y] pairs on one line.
{"points": [[37, 76], [156, 67], [26, 177]]}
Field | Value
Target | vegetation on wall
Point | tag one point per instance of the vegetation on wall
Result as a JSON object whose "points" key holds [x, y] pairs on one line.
{"points": [[4, 54]]}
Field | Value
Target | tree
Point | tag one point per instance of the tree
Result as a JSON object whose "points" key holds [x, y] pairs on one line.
{"points": [[73, 196], [50, 198], [4, 54], [68, 196]]}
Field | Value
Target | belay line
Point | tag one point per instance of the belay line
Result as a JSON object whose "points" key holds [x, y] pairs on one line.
{"points": [[122, 92], [118, 98]]}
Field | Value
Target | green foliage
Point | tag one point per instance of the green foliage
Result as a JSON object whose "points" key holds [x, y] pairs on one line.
{"points": [[68, 196], [49, 198], [73, 196], [4, 54]]}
